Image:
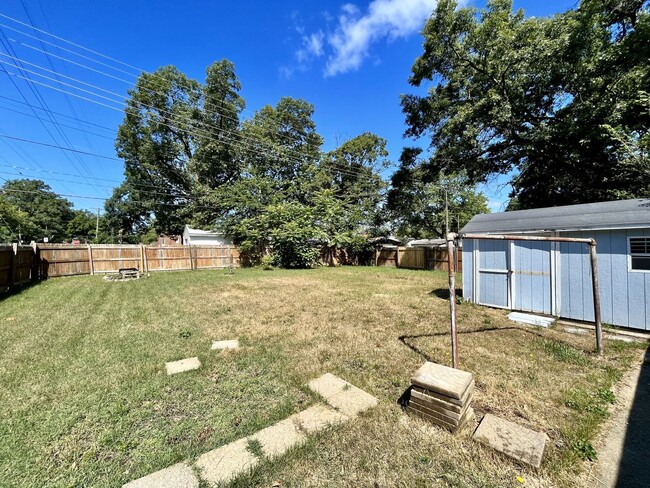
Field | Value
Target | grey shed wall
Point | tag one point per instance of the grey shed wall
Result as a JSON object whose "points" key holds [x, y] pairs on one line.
{"points": [[555, 278]]}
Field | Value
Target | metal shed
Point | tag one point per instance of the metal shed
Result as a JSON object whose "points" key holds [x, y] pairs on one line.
{"points": [[555, 277]]}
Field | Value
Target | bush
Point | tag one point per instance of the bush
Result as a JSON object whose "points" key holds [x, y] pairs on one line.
{"points": [[267, 262]]}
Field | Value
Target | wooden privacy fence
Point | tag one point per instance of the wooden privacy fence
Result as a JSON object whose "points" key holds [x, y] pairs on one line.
{"points": [[68, 259], [416, 258], [16, 265]]}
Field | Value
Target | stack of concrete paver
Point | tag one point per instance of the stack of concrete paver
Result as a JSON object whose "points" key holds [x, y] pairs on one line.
{"points": [[442, 395]]}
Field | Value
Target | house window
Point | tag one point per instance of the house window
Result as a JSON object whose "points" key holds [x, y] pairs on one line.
{"points": [[640, 253]]}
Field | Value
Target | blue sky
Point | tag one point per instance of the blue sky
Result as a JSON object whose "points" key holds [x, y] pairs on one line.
{"points": [[351, 60]]}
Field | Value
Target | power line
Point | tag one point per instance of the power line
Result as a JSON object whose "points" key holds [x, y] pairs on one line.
{"points": [[225, 141], [13, 100], [49, 60], [42, 102], [201, 123], [344, 169], [23, 168], [62, 125], [63, 148]]}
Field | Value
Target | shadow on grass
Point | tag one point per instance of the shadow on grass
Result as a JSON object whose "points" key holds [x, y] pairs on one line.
{"points": [[15, 290], [633, 468], [407, 339], [444, 293]]}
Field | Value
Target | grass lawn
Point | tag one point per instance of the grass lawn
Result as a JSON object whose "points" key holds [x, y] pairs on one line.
{"points": [[86, 401]]}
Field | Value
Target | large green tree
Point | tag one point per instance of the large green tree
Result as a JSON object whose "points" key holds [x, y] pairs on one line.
{"points": [[268, 208], [559, 103], [291, 201], [178, 140], [354, 174], [12, 221], [423, 204], [41, 212]]}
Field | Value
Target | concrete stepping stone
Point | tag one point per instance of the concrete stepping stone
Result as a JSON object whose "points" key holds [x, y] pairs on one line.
{"points": [[226, 462], [522, 444], [177, 476], [279, 438], [449, 382], [317, 418], [221, 345], [343, 396], [183, 365], [531, 319]]}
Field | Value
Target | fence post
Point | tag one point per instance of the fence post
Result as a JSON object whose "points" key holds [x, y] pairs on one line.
{"points": [[144, 258], [90, 260], [35, 268], [12, 265], [189, 250], [397, 257]]}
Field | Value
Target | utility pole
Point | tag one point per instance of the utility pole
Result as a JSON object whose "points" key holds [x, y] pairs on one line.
{"points": [[97, 226], [446, 213]]}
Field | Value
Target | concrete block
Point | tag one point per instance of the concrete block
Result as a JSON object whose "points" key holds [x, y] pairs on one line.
{"points": [[454, 401], [442, 405], [279, 438], [220, 345], [225, 463], [522, 444], [452, 416], [177, 476], [183, 365], [317, 418], [442, 379], [343, 396], [453, 427]]}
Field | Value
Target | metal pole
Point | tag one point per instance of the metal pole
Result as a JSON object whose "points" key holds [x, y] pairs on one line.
{"points": [[452, 298], [596, 289], [502, 237]]}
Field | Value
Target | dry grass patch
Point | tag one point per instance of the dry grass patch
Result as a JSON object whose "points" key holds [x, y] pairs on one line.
{"points": [[89, 403]]}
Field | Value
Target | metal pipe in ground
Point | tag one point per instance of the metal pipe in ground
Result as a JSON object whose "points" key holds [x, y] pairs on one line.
{"points": [[596, 290], [452, 298]]}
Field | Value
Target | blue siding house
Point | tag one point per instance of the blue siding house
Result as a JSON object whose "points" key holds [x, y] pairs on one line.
{"points": [[554, 278]]}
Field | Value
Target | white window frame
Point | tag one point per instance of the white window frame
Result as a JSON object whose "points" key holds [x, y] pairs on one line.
{"points": [[629, 254]]}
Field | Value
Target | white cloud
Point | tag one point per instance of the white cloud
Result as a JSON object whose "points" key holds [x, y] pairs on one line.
{"points": [[352, 38], [312, 47]]}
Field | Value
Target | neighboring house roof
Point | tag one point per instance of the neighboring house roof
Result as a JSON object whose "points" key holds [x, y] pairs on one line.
{"points": [[199, 232], [384, 239], [427, 243], [621, 214]]}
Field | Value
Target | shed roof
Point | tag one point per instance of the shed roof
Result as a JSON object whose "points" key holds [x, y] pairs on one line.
{"points": [[621, 214]]}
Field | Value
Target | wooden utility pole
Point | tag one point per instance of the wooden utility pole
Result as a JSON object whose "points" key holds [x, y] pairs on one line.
{"points": [[446, 212], [452, 298], [97, 227]]}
